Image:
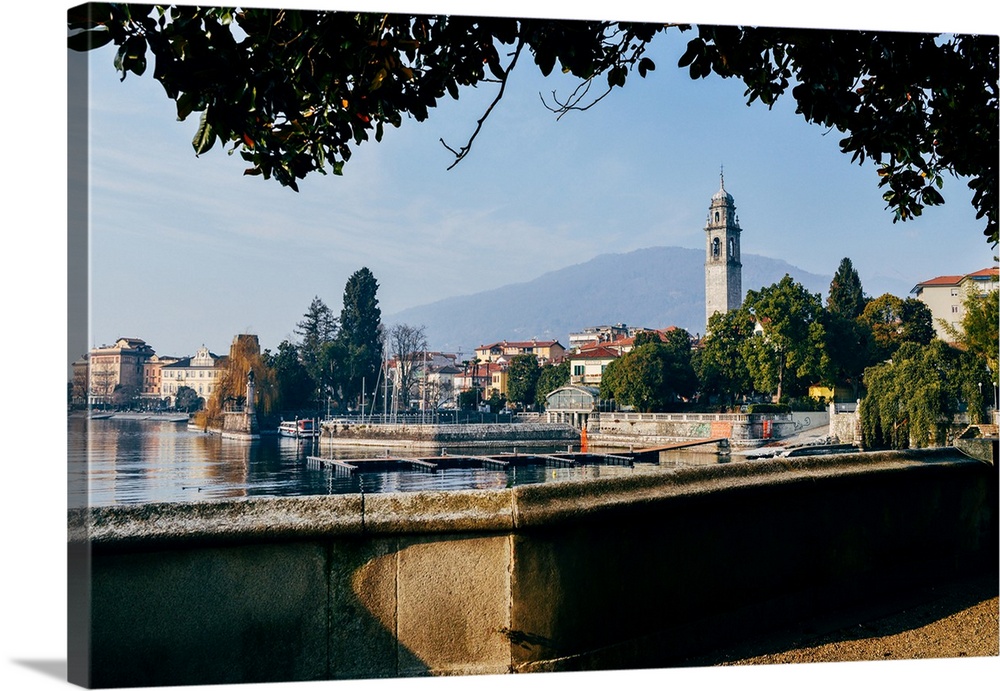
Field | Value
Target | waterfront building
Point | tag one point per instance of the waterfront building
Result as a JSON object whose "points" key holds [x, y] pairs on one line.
{"points": [[201, 373], [723, 268], [545, 351], [587, 365], [115, 367], [587, 362], [945, 295], [152, 376], [572, 404]]}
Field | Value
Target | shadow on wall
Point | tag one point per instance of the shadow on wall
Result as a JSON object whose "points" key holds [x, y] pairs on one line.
{"points": [[237, 614]]}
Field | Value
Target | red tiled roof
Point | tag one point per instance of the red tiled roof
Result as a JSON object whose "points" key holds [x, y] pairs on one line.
{"points": [[600, 352], [942, 281], [954, 280]]}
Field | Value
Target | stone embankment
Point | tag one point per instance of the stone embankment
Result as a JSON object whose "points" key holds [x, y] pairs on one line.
{"points": [[472, 435]]}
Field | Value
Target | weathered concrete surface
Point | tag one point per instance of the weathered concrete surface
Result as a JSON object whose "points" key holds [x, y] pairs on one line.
{"points": [[633, 571]]}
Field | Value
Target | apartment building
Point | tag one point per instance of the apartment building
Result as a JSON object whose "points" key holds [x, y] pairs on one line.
{"points": [[945, 295]]}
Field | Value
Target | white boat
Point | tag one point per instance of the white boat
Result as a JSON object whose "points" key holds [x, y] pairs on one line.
{"points": [[304, 428]]}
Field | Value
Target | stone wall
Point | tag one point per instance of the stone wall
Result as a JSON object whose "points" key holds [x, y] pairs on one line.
{"points": [[240, 425], [522, 433], [845, 426], [599, 574], [616, 429]]}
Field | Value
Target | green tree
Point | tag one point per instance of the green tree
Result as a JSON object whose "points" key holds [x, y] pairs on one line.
{"points": [[294, 385], [298, 89], [846, 298], [720, 365], [978, 339], [125, 396], [651, 377], [894, 321], [980, 331], [469, 399], [790, 349], [912, 398], [522, 379], [680, 369], [187, 400], [550, 378], [849, 350], [644, 337], [360, 336], [317, 332]]}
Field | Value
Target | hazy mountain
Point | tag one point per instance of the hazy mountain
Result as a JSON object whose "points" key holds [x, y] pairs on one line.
{"points": [[654, 287]]}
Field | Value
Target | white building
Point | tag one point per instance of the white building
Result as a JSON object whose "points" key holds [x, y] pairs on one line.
{"points": [[945, 295], [201, 373]]}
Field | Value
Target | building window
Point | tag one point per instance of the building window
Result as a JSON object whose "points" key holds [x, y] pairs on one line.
{"points": [[954, 291], [577, 370], [716, 247], [954, 309]]}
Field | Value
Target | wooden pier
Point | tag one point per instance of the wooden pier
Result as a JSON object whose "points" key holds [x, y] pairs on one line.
{"points": [[496, 462]]}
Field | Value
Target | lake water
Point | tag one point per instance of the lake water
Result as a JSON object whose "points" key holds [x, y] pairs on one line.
{"points": [[116, 461]]}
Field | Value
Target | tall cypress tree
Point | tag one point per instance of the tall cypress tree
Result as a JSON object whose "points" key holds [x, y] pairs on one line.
{"points": [[360, 335], [846, 299]]}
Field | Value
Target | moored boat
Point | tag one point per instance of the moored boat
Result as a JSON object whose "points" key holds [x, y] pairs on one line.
{"points": [[304, 428]]}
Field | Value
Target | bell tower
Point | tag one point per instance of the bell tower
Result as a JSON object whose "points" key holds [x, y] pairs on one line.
{"points": [[723, 269]]}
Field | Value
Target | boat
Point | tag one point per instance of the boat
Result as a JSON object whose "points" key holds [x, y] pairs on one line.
{"points": [[304, 428]]}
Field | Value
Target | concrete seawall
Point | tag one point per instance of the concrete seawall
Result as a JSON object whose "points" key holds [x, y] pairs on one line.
{"points": [[742, 429], [470, 435], [599, 574]]}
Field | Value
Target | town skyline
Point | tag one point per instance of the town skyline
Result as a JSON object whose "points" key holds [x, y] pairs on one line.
{"points": [[207, 253]]}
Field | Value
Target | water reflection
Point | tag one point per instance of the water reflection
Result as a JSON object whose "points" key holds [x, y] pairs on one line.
{"points": [[137, 461]]}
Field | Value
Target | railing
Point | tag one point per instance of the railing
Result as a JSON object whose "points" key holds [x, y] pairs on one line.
{"points": [[433, 417], [686, 417], [843, 407]]}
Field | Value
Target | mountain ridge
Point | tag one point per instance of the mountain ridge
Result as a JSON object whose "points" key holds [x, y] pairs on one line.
{"points": [[652, 287]]}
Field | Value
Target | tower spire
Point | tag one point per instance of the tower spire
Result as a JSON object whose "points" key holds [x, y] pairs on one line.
{"points": [[722, 177]]}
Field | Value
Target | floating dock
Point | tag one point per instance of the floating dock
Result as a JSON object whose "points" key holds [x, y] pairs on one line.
{"points": [[496, 462]]}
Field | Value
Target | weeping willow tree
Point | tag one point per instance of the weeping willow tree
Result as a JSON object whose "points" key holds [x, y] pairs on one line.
{"points": [[912, 398], [230, 390]]}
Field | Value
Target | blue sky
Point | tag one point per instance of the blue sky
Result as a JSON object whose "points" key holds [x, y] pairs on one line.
{"points": [[186, 251]]}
